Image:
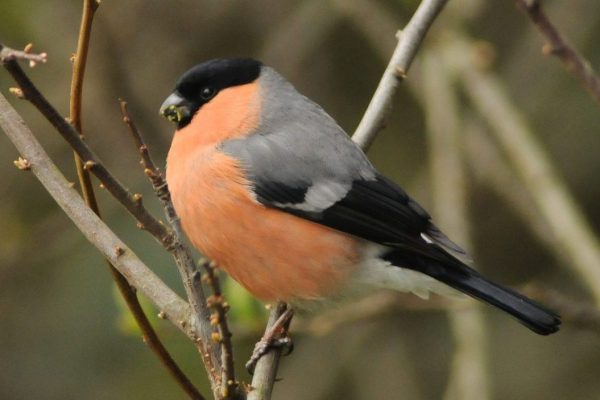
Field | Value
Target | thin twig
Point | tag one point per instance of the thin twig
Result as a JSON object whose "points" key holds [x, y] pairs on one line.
{"points": [[7, 54], [573, 234], [222, 334], [128, 293], [469, 378], [92, 162], [76, 98], [577, 313], [151, 338], [558, 46], [95, 230], [409, 41], [265, 372], [186, 265], [199, 325]]}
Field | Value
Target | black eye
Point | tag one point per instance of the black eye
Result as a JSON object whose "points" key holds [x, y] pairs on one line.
{"points": [[207, 93]]}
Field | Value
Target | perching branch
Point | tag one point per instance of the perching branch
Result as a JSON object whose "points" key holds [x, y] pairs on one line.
{"points": [[409, 41], [265, 372], [557, 46]]}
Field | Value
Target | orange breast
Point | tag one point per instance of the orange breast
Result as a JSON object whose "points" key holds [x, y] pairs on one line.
{"points": [[273, 254]]}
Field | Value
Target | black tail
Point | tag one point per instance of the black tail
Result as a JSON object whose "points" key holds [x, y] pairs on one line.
{"points": [[459, 276]]}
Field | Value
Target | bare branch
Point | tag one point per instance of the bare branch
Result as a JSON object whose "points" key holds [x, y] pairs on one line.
{"points": [[186, 265], [558, 46], [573, 234], [265, 372], [117, 252], [409, 41], [128, 293], [222, 334], [91, 160], [8, 54], [198, 326], [151, 338], [579, 314]]}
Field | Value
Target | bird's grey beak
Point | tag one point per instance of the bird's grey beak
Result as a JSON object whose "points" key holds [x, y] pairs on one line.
{"points": [[176, 109]]}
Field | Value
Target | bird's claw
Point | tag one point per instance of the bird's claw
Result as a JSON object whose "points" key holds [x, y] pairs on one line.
{"points": [[275, 338], [265, 345]]}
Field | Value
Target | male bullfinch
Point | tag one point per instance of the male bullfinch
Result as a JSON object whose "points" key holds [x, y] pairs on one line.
{"points": [[272, 189]]}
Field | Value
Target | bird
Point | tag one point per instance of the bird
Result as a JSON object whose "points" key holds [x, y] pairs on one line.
{"points": [[274, 191]]}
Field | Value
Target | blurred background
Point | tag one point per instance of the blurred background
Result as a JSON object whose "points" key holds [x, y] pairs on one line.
{"points": [[63, 331]]}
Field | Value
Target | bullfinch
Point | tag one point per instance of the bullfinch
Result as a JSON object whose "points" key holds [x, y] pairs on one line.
{"points": [[272, 189]]}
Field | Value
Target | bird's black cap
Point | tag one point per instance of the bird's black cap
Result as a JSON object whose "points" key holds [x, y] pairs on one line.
{"points": [[202, 82]]}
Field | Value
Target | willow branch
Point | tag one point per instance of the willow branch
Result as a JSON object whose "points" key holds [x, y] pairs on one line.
{"points": [[573, 234], [186, 265], [558, 46], [469, 378], [409, 41], [34, 158]]}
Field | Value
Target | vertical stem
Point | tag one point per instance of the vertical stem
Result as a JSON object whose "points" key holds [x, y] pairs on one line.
{"points": [[266, 368]]}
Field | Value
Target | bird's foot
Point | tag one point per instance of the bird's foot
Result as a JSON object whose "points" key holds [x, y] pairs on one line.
{"points": [[275, 338]]}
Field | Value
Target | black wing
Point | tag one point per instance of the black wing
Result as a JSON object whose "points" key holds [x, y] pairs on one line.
{"points": [[377, 210]]}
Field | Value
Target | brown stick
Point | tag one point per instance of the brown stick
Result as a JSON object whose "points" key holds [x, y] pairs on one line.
{"points": [[92, 161], [557, 46], [222, 371], [409, 41], [222, 335], [265, 372], [34, 158], [198, 327]]}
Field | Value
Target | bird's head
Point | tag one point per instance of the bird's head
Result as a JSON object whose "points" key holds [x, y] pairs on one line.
{"points": [[203, 82]]}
